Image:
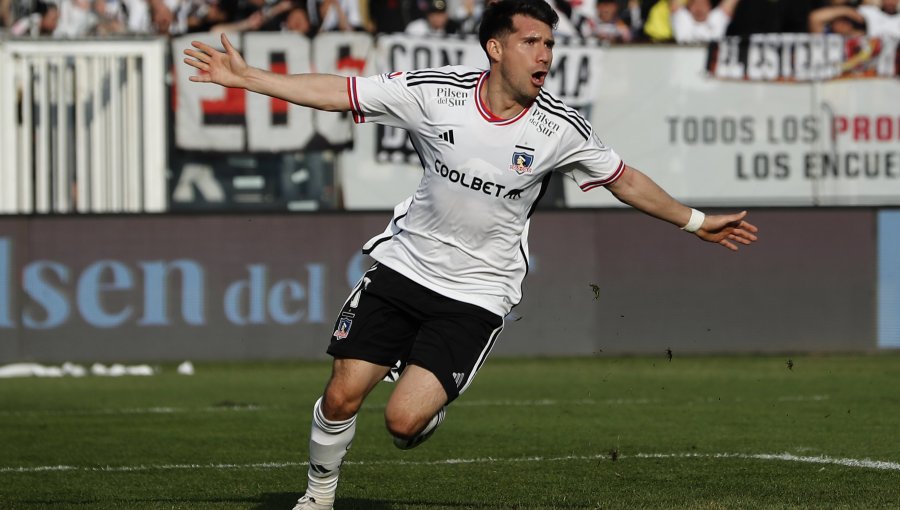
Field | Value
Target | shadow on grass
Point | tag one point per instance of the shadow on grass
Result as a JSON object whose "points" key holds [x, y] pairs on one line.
{"points": [[287, 500], [366, 504]]}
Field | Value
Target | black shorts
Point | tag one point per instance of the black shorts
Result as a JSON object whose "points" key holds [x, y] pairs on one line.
{"points": [[393, 321]]}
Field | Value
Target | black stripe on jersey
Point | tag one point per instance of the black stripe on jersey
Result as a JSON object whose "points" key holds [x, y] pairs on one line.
{"points": [[576, 122], [433, 73], [446, 81], [412, 141], [522, 282], [571, 116], [424, 76], [385, 238], [564, 117], [545, 183], [554, 102]]}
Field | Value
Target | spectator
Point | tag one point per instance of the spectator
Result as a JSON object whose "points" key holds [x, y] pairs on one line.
{"points": [[111, 17], [770, 16], [834, 20], [469, 24], [633, 15], [340, 15], [467, 13], [12, 11], [697, 21], [658, 27], [42, 22], [436, 21], [564, 27], [142, 16], [6, 13], [224, 16], [76, 19], [206, 15], [221, 16], [297, 21], [391, 16], [606, 25], [260, 15], [882, 21]]}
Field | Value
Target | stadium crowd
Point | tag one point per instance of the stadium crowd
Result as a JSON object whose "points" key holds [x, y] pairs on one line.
{"points": [[608, 21]]}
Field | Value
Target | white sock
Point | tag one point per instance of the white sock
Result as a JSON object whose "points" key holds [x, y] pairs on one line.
{"points": [[328, 443]]}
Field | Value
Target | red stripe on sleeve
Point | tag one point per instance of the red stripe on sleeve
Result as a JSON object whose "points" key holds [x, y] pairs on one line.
{"points": [[354, 101], [604, 182]]}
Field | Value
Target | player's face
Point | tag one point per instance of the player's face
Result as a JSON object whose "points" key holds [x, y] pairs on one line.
{"points": [[526, 55]]}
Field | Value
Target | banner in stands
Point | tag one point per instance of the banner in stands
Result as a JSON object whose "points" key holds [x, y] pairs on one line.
{"points": [[212, 118], [715, 142], [803, 57], [763, 140]]}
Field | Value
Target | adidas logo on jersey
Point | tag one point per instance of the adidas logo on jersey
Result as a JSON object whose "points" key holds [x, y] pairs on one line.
{"points": [[459, 377], [447, 137]]}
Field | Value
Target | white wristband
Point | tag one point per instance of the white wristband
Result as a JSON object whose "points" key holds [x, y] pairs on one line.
{"points": [[695, 222]]}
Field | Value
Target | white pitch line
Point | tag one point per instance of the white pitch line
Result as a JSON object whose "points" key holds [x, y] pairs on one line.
{"points": [[820, 459], [788, 457], [553, 402], [135, 410], [463, 403], [253, 407], [803, 398]]}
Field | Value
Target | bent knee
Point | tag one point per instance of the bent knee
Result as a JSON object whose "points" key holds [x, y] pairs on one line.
{"points": [[338, 404], [403, 425]]}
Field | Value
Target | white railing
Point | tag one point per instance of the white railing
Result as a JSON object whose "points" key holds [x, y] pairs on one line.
{"points": [[82, 126]]}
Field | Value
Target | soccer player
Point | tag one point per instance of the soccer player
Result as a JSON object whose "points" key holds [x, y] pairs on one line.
{"points": [[451, 262]]}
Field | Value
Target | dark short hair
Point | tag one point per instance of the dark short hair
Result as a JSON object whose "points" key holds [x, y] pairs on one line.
{"points": [[498, 17]]}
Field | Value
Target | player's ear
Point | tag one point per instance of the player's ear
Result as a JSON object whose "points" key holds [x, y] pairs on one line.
{"points": [[494, 49]]}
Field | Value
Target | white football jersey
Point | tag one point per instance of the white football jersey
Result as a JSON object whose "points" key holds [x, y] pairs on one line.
{"points": [[464, 233]]}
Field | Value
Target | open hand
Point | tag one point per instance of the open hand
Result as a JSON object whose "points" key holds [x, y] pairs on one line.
{"points": [[728, 229], [227, 69]]}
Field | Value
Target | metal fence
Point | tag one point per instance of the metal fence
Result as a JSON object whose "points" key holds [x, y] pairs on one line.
{"points": [[82, 126]]}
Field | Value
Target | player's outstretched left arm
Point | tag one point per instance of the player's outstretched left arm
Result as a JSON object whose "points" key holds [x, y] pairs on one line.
{"points": [[639, 191], [227, 68]]}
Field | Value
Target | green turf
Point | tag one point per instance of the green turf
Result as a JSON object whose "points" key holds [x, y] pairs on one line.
{"points": [[529, 434]]}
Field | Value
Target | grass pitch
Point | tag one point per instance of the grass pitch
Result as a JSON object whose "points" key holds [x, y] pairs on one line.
{"points": [[698, 433]]}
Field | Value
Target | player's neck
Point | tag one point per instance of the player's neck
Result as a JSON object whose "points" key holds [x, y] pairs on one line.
{"points": [[498, 99]]}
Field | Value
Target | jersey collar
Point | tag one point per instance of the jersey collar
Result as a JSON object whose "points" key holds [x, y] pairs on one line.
{"points": [[486, 113]]}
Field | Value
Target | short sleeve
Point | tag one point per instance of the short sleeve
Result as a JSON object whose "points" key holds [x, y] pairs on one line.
{"points": [[718, 22], [590, 163], [682, 26], [870, 14], [384, 99]]}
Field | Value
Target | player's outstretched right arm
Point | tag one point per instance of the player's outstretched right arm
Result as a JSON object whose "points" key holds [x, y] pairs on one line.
{"points": [[320, 91]]}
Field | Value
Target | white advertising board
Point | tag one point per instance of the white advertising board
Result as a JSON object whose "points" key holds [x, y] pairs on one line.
{"points": [[710, 141]]}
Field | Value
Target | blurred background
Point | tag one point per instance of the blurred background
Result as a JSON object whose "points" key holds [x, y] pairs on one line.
{"points": [[146, 217]]}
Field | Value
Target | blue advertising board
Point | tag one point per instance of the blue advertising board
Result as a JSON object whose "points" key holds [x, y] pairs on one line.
{"points": [[889, 279]]}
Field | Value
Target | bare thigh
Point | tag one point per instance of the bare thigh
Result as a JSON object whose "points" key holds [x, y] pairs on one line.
{"points": [[418, 396], [350, 383]]}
